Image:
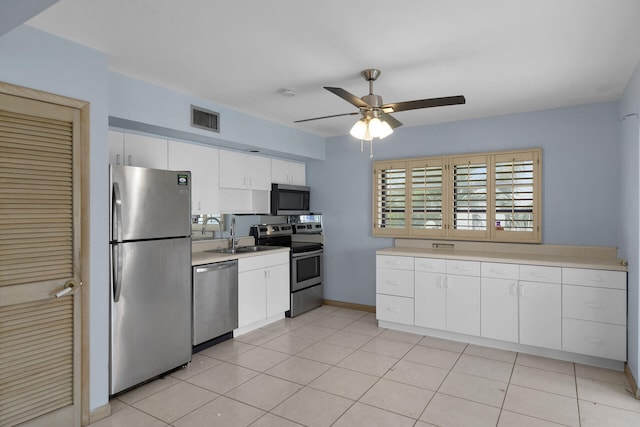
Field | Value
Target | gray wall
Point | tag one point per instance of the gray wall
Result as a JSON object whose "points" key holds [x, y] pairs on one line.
{"points": [[580, 179]]}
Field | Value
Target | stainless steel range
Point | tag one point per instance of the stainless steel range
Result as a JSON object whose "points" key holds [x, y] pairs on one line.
{"points": [[306, 261]]}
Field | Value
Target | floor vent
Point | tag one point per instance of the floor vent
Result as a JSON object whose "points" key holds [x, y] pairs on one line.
{"points": [[205, 119]]}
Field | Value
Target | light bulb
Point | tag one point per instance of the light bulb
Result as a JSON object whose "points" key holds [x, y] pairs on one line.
{"points": [[375, 127], [358, 130], [367, 135], [386, 130]]}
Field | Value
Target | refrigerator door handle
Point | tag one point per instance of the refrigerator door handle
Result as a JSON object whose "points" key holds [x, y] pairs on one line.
{"points": [[116, 274], [117, 213]]}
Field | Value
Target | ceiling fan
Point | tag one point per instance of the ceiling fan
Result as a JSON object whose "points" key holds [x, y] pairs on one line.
{"points": [[375, 121]]}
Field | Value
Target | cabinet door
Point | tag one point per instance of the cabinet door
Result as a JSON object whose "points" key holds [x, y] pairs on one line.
{"points": [[252, 297], [463, 304], [233, 170], [285, 172], [258, 173], [203, 164], [116, 147], [499, 309], [278, 294], [430, 300], [540, 314], [145, 151]]}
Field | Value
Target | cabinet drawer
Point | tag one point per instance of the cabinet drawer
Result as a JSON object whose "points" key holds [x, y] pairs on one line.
{"points": [[394, 309], [262, 261], [394, 282], [594, 339], [463, 268], [596, 304], [395, 262], [500, 270], [538, 273], [598, 278], [432, 265]]}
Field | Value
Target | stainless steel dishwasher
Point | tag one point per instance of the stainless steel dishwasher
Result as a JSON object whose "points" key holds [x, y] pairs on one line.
{"points": [[215, 300]]}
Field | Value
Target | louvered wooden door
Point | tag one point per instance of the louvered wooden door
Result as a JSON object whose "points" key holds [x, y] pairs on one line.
{"points": [[39, 258]]}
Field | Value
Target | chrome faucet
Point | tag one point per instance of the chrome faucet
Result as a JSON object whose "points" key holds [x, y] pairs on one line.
{"points": [[232, 233], [204, 225]]}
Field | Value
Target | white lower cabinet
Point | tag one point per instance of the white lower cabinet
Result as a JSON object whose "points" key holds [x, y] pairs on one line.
{"points": [[448, 301], [594, 312], [557, 308], [521, 311], [263, 287], [540, 314], [394, 289]]}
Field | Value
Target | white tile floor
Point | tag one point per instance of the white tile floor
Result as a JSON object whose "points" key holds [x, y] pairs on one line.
{"points": [[335, 367]]}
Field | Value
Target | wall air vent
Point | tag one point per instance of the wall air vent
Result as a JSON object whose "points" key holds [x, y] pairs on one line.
{"points": [[205, 119]]}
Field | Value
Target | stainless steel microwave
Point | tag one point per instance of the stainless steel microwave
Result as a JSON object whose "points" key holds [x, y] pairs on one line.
{"points": [[289, 199]]}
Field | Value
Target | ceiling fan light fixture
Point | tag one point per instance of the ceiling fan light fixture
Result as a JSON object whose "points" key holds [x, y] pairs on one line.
{"points": [[375, 127], [385, 130], [359, 129]]}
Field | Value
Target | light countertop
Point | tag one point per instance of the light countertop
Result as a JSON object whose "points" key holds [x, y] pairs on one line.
{"points": [[554, 260]]}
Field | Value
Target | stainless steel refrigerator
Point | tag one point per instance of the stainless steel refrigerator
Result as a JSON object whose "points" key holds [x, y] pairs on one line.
{"points": [[150, 273]]}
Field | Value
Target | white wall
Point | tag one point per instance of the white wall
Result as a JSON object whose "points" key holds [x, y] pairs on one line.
{"points": [[629, 224]]}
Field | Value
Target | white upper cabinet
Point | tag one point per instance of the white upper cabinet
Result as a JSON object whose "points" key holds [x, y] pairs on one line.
{"points": [[203, 164], [286, 172], [137, 150], [243, 171]]}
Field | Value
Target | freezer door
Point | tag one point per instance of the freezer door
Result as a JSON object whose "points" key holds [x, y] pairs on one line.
{"points": [[151, 321], [149, 203]]}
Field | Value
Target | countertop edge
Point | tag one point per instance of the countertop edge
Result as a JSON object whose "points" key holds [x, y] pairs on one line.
{"points": [[509, 258], [201, 258]]}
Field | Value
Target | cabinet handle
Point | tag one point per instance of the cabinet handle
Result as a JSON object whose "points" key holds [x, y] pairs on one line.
{"points": [[445, 282], [393, 262], [117, 159], [541, 276], [594, 305], [440, 283], [521, 289], [130, 158], [596, 279], [461, 268], [199, 207], [493, 270], [593, 340], [514, 289], [393, 283], [393, 310]]}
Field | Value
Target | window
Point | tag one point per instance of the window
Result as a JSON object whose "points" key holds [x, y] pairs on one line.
{"points": [[492, 196]]}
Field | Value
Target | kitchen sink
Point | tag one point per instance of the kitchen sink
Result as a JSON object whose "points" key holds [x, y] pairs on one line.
{"points": [[241, 250]]}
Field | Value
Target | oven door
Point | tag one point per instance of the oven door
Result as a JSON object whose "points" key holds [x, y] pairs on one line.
{"points": [[306, 269]]}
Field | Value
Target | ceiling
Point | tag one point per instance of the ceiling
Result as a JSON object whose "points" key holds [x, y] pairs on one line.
{"points": [[505, 56]]}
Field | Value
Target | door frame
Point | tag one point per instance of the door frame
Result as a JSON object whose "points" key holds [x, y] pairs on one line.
{"points": [[84, 108]]}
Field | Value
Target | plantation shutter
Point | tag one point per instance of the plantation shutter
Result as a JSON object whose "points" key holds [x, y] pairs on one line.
{"points": [[516, 202], [38, 255], [390, 214], [470, 195], [427, 197]]}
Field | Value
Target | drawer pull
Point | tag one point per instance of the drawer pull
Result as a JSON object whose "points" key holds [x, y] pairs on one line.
{"points": [[393, 262], [540, 275], [393, 310], [461, 268], [594, 305], [596, 279], [493, 270], [593, 340], [393, 283]]}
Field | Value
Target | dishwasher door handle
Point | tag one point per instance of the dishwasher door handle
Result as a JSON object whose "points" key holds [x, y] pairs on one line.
{"points": [[209, 269]]}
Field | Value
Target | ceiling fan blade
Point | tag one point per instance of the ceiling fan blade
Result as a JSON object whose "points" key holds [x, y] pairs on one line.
{"points": [[349, 97], [393, 122], [326, 117], [425, 103]]}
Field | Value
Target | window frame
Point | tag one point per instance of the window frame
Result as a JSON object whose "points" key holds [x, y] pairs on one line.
{"points": [[414, 167]]}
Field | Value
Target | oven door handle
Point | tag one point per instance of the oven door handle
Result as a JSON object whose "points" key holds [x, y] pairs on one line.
{"points": [[307, 254]]}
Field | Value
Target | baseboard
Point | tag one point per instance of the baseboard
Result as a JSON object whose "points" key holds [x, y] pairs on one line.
{"points": [[361, 307], [632, 382], [99, 413]]}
